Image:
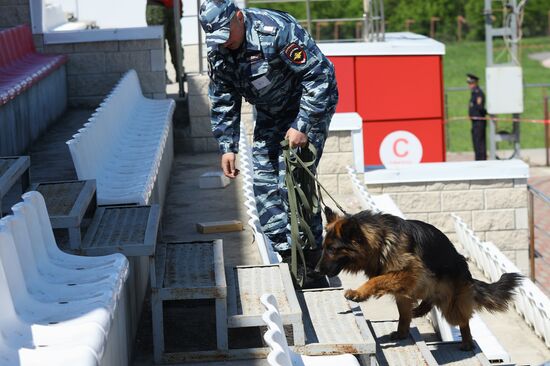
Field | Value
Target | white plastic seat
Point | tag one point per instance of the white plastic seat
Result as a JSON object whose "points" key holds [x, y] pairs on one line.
{"points": [[133, 132], [45, 247], [37, 268], [281, 354], [17, 332]]}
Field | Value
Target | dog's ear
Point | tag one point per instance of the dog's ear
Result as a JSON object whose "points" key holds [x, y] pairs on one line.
{"points": [[330, 215], [351, 231]]}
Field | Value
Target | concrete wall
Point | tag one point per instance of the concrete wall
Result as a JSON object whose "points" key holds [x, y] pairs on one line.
{"points": [[197, 137], [14, 12], [495, 209], [95, 67]]}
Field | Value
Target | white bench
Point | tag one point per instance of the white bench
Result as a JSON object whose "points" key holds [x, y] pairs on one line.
{"points": [[126, 146], [57, 308]]}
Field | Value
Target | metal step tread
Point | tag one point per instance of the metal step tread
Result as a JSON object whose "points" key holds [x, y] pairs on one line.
{"points": [[449, 353], [406, 352], [190, 270], [333, 325], [246, 284]]}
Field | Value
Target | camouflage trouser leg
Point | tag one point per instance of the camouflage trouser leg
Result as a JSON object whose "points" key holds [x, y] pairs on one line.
{"points": [[159, 15], [269, 178]]}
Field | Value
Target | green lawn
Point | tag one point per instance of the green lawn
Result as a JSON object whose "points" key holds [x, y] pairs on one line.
{"points": [[464, 57]]}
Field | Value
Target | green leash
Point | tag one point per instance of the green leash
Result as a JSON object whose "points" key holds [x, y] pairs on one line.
{"points": [[304, 200]]}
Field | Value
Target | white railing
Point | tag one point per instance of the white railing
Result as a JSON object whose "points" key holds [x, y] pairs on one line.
{"points": [[530, 301]]}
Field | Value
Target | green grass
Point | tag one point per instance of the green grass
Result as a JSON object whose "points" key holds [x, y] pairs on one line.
{"points": [[464, 57]]}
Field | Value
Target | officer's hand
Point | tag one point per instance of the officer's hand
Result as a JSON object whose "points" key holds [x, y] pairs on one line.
{"points": [[228, 165], [296, 138]]}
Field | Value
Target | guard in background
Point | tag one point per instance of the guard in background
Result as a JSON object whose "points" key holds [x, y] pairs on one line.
{"points": [[266, 57], [477, 113]]}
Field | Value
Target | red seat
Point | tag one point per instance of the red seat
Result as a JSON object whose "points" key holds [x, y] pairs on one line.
{"points": [[20, 65]]}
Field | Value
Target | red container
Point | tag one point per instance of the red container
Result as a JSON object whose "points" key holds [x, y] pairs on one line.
{"points": [[395, 85]]}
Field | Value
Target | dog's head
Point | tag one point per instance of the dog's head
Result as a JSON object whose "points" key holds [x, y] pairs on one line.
{"points": [[341, 245]]}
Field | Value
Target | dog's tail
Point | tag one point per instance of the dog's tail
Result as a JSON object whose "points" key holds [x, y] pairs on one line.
{"points": [[496, 296]]}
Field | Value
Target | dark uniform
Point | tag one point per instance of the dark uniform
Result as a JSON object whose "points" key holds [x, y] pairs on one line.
{"points": [[281, 71], [476, 109]]}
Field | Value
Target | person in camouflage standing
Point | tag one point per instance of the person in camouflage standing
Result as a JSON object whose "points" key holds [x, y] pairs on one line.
{"points": [[267, 58], [161, 12]]}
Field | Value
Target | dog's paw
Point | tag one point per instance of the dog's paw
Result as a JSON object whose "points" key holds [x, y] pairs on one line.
{"points": [[354, 295], [466, 346], [396, 336]]}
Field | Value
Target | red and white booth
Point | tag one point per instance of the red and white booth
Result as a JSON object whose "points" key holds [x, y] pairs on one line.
{"points": [[396, 86]]}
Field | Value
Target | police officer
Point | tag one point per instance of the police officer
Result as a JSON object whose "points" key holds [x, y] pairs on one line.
{"points": [[266, 57], [477, 113]]}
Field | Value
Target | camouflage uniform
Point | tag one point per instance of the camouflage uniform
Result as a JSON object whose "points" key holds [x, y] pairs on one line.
{"points": [[281, 71], [158, 14]]}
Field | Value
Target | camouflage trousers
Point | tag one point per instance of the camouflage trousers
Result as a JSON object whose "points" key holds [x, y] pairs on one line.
{"points": [[269, 174], [160, 15]]}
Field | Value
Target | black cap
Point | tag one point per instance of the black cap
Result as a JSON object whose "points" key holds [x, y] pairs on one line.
{"points": [[471, 78]]}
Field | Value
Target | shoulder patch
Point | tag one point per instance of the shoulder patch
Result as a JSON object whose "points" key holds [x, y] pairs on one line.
{"points": [[296, 54]]}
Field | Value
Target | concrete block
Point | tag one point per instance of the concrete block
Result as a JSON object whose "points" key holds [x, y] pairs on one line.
{"points": [[198, 145], [199, 106], [201, 127], [493, 220], [86, 63], [436, 186], [374, 188], [491, 183], [417, 202], [522, 261], [421, 216], [330, 182], [520, 183], [198, 84], [404, 187], [509, 239], [247, 108], [442, 220], [88, 85], [506, 198], [65, 48], [12, 15], [157, 60], [346, 143], [344, 184], [104, 46], [461, 200], [152, 81], [141, 44], [123, 61], [455, 186], [522, 218], [85, 102], [335, 163], [332, 144], [210, 180]]}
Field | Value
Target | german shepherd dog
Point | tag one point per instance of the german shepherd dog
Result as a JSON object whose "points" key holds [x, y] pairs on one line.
{"points": [[411, 260]]}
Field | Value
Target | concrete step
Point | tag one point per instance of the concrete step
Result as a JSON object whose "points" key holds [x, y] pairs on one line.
{"points": [[448, 353]]}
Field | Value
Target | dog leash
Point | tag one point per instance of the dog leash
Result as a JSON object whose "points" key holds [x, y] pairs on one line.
{"points": [[304, 200]]}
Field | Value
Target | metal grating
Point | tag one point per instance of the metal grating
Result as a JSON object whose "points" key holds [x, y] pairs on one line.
{"points": [[123, 226], [60, 197], [189, 265]]}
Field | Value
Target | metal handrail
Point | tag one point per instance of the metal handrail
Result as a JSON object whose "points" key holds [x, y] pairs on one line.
{"points": [[540, 195]]}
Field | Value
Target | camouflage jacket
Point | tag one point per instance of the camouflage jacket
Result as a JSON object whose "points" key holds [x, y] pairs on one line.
{"points": [[277, 64]]}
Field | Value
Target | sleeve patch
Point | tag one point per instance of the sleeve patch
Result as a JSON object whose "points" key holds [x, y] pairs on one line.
{"points": [[296, 54]]}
